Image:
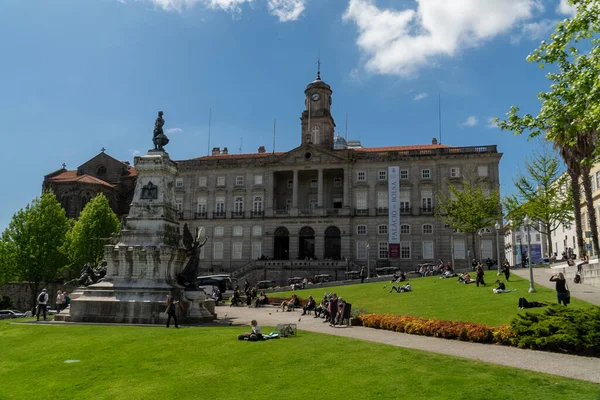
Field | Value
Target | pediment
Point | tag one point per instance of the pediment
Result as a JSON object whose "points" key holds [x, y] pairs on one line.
{"points": [[308, 153], [104, 167]]}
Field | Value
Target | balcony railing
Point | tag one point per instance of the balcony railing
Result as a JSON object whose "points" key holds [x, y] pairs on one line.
{"points": [[200, 215], [358, 211], [282, 213], [237, 214], [405, 210], [219, 214], [332, 211], [426, 210], [257, 214], [306, 211], [382, 211]]}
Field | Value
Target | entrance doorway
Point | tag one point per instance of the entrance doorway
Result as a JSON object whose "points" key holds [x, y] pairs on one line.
{"points": [[306, 245], [333, 243], [281, 244]]}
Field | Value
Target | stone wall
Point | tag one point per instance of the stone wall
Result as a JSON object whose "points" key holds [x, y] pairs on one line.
{"points": [[590, 275], [21, 297]]}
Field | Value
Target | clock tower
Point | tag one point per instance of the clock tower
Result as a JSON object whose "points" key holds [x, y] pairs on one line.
{"points": [[317, 123]]}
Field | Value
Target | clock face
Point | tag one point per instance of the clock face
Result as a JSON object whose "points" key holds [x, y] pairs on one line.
{"points": [[316, 96]]}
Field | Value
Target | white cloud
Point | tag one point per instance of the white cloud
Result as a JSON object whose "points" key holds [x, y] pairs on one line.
{"points": [[470, 121], [135, 153], [287, 10], [420, 96], [564, 7], [535, 30], [173, 130], [401, 41], [491, 123]]}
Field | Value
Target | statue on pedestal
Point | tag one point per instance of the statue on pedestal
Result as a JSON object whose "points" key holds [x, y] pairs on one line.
{"points": [[159, 139]]}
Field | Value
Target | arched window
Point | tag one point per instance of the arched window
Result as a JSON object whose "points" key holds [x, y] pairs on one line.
{"points": [[332, 231], [315, 133], [307, 231], [428, 228], [281, 231]]}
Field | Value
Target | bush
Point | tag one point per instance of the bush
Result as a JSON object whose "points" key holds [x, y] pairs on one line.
{"points": [[560, 329], [465, 331]]}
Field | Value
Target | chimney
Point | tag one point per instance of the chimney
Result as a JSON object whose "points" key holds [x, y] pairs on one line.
{"points": [[225, 151], [434, 141], [262, 150], [216, 151]]}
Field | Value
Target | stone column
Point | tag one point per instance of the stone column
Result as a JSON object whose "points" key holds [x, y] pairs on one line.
{"points": [[295, 190], [320, 189]]}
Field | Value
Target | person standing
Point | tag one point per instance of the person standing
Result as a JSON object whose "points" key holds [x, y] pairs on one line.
{"points": [[60, 300], [506, 270], [67, 301], [42, 301], [480, 275], [171, 311], [561, 288], [363, 274]]}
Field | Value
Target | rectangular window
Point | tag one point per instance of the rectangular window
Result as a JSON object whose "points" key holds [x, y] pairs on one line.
{"points": [[383, 250], [361, 229], [404, 201], [256, 250], [382, 200], [179, 182], [337, 182], [201, 205], [428, 250], [404, 228], [258, 179], [454, 172], [238, 231], [403, 174], [203, 181], [428, 229], [405, 250], [201, 255], [426, 200], [459, 249], [538, 237], [361, 201], [236, 250], [598, 179], [290, 184], [482, 170], [361, 176], [361, 250], [219, 230], [179, 205], [220, 205], [425, 173], [288, 204], [218, 251], [312, 204], [238, 204], [314, 183], [382, 175], [257, 230], [382, 229], [257, 204], [220, 181], [239, 180]]}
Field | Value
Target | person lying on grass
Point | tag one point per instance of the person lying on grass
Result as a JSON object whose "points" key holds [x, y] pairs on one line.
{"points": [[465, 278], [502, 288], [400, 289], [523, 303], [253, 336]]}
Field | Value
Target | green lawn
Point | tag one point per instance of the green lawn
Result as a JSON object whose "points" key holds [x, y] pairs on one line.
{"points": [[120, 362], [444, 299]]}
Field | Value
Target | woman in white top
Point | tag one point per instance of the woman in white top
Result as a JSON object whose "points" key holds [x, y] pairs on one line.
{"points": [[60, 299]]}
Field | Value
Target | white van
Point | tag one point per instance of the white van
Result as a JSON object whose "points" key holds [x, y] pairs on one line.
{"points": [[224, 282]]}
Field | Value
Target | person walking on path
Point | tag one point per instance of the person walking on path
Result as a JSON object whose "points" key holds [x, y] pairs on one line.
{"points": [[42, 301], [363, 274], [171, 311], [561, 288], [506, 270]]}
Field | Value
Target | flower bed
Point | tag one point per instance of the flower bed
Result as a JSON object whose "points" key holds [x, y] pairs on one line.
{"points": [[465, 331]]}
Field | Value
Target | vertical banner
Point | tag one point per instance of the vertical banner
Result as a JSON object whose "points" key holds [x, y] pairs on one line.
{"points": [[394, 212]]}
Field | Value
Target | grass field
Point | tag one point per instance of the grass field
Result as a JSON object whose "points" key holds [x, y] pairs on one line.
{"points": [[443, 299], [123, 362]]}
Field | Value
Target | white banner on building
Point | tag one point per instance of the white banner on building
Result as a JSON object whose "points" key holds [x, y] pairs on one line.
{"points": [[394, 212]]}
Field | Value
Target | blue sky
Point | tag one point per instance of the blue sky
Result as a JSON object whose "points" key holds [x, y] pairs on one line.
{"points": [[82, 75]]}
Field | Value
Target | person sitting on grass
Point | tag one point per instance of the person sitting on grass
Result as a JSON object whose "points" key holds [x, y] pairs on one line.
{"points": [[253, 336], [465, 278], [400, 289], [523, 303], [502, 288], [310, 305]]}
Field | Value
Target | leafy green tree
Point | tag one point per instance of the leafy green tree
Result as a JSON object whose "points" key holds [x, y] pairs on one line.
{"points": [[539, 196], [570, 112], [31, 244], [468, 208], [96, 223]]}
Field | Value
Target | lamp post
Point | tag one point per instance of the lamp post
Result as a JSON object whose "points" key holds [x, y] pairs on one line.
{"points": [[527, 222], [480, 233], [497, 226], [368, 261]]}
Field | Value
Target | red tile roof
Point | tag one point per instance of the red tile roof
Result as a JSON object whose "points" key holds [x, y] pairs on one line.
{"points": [[71, 176], [132, 171]]}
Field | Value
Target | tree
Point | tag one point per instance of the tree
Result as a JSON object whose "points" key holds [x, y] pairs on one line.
{"points": [[469, 209], [569, 114], [31, 245], [96, 223], [539, 196]]}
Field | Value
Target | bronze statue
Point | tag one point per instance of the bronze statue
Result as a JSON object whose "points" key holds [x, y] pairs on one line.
{"points": [[159, 139], [90, 275], [188, 277]]}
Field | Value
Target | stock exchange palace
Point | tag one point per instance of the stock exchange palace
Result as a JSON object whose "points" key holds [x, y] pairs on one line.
{"points": [[318, 209]]}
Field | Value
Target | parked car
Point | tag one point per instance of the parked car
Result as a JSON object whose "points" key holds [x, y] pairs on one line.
{"points": [[6, 314], [265, 284]]}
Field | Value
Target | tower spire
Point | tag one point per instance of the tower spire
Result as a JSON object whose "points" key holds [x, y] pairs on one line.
{"points": [[319, 68]]}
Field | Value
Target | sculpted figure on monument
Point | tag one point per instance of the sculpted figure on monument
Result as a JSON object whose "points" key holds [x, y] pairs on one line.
{"points": [[90, 275], [188, 277], [159, 138]]}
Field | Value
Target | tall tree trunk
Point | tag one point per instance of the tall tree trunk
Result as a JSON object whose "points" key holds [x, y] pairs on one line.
{"points": [[473, 247], [589, 202], [549, 239], [575, 192]]}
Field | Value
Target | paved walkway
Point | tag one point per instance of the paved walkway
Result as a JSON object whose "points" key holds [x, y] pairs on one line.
{"points": [[541, 276], [583, 368]]}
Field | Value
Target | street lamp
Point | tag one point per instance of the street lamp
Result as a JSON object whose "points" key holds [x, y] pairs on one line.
{"points": [[480, 233], [497, 226], [368, 261], [527, 222]]}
